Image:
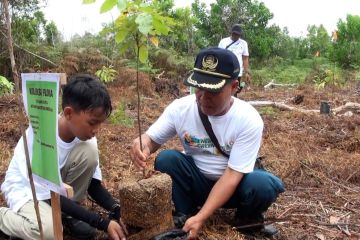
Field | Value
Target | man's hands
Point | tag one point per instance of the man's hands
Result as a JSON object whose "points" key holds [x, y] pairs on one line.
{"points": [[137, 156], [193, 225], [117, 231]]}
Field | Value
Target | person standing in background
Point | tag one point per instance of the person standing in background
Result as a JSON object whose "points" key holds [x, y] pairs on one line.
{"points": [[239, 47]]}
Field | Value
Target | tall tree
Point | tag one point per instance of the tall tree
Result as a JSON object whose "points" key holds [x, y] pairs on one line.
{"points": [[319, 40], [347, 47], [22, 121]]}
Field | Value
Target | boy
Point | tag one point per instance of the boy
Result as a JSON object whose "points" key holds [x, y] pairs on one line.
{"points": [[85, 105]]}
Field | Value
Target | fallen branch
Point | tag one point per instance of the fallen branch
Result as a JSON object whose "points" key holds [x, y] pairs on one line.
{"points": [[34, 54], [337, 224], [347, 107], [266, 222], [322, 176], [281, 106], [272, 84], [350, 106], [159, 75]]}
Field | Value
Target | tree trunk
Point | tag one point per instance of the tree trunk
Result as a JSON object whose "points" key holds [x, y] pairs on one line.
{"points": [[21, 115]]}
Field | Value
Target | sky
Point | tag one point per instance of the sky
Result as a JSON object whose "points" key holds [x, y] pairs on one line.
{"points": [[72, 17]]}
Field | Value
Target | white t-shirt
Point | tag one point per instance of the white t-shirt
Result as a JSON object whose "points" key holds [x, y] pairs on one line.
{"points": [[239, 48], [16, 186], [239, 134]]}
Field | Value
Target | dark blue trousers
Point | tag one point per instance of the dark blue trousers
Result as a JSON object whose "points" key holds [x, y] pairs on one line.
{"points": [[254, 195]]}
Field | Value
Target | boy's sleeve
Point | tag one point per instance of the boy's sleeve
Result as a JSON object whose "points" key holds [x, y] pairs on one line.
{"points": [[101, 196], [74, 210]]}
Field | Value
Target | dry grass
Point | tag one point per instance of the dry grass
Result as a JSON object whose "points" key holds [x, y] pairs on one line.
{"points": [[317, 156]]}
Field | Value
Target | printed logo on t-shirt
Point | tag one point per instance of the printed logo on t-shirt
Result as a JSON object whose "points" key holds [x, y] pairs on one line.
{"points": [[198, 142], [205, 144]]}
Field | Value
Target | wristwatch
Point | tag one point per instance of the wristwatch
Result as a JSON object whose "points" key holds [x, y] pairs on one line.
{"points": [[114, 213]]}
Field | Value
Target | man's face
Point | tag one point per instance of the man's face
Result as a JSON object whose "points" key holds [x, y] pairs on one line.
{"points": [[216, 104], [85, 124], [235, 36]]}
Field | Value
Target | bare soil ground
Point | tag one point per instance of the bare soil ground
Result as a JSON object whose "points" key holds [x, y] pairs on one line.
{"points": [[317, 156]]}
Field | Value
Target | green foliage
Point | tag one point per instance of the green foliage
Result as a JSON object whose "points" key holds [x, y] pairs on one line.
{"points": [[52, 34], [281, 71], [32, 28], [28, 28], [138, 23], [346, 50], [32, 32], [102, 42], [323, 74], [145, 68], [106, 74], [216, 24], [268, 111], [108, 5], [319, 40], [169, 61], [182, 38], [119, 116], [88, 1], [24, 8], [6, 87]]}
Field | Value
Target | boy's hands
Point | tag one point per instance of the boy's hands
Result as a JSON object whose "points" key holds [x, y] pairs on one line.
{"points": [[117, 231]]}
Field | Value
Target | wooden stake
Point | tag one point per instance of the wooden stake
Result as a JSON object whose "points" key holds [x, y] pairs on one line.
{"points": [[56, 211], [21, 115], [56, 215]]}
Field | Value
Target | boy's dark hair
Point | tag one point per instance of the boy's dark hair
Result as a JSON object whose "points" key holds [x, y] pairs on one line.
{"points": [[85, 92]]}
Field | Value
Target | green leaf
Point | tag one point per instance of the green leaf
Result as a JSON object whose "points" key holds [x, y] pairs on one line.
{"points": [[121, 5], [143, 54], [160, 27], [88, 1], [121, 35], [107, 5], [144, 21], [124, 47]]}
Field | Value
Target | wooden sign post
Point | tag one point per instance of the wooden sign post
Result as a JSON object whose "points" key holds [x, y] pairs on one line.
{"points": [[56, 211]]}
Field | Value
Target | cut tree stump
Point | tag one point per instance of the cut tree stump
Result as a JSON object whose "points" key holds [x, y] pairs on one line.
{"points": [[146, 205]]}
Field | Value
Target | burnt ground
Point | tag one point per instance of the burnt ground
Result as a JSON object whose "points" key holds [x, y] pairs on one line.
{"points": [[316, 155]]}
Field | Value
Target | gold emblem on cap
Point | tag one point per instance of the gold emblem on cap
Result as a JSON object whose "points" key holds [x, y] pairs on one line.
{"points": [[209, 63]]}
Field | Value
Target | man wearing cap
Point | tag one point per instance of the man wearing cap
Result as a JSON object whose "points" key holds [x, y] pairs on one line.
{"points": [[204, 178], [240, 48]]}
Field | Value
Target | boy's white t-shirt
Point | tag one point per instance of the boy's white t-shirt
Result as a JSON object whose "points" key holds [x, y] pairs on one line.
{"points": [[239, 133], [239, 48], [16, 186]]}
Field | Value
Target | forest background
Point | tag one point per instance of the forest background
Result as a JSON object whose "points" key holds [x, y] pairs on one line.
{"points": [[319, 58], [316, 155]]}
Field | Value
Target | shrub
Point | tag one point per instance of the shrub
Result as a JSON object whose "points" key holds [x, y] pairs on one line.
{"points": [[6, 87], [119, 116], [106, 74]]}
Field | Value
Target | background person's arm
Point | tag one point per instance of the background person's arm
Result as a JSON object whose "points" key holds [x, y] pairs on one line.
{"points": [[246, 72]]}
